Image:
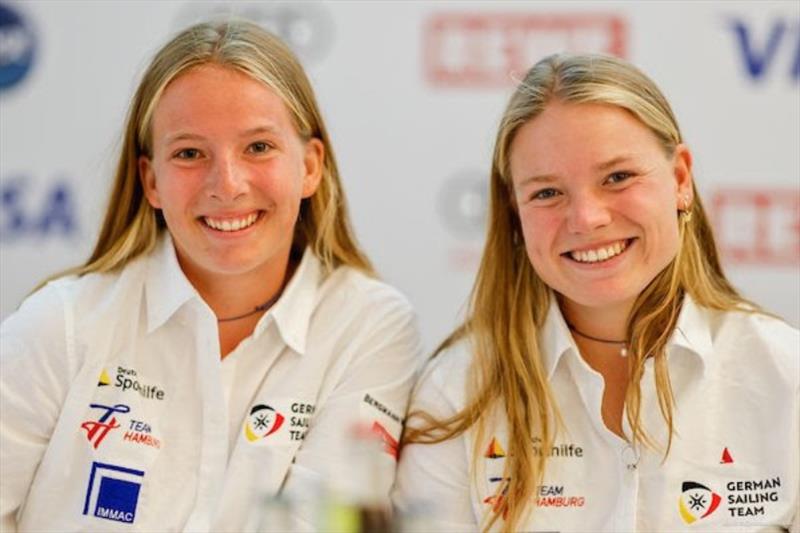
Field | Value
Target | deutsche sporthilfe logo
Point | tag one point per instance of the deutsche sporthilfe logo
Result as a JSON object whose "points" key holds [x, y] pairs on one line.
{"points": [[262, 422]]}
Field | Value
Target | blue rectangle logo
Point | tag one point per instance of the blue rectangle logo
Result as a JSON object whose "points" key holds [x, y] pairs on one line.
{"points": [[113, 492]]}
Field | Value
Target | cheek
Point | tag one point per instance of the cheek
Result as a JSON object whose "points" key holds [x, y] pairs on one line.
{"points": [[539, 231]]}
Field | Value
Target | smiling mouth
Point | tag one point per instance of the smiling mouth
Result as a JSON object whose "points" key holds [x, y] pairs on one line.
{"points": [[229, 225], [599, 254]]}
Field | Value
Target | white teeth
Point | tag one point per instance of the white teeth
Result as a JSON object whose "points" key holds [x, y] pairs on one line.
{"points": [[600, 254], [235, 224]]}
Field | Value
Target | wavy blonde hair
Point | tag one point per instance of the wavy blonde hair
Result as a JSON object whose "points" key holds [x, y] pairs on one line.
{"points": [[131, 226], [509, 301]]}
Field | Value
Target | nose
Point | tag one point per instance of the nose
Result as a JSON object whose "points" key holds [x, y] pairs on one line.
{"points": [[227, 180], [587, 213]]}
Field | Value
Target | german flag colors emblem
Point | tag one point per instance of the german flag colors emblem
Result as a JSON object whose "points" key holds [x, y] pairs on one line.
{"points": [[697, 501]]}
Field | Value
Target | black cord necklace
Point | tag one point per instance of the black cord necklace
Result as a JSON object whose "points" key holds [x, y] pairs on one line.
{"points": [[258, 309], [623, 351]]}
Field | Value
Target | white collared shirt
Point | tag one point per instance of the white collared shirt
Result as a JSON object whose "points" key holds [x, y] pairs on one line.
{"points": [[734, 460], [118, 414]]}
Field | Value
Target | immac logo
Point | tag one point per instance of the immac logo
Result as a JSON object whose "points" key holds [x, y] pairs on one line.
{"points": [[485, 49]]}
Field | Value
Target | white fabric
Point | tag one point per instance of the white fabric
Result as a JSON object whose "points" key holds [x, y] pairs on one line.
{"points": [[334, 351], [736, 383]]}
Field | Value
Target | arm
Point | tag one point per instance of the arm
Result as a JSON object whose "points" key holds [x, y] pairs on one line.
{"points": [[434, 478], [372, 390], [34, 370]]}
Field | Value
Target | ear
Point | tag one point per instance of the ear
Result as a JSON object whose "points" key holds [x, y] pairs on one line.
{"points": [[148, 179], [682, 170], [313, 162]]}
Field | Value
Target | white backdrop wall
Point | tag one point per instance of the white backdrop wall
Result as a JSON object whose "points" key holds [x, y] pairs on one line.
{"points": [[412, 93]]}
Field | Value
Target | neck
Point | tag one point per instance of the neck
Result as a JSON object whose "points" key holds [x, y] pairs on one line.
{"points": [[231, 295], [608, 322]]}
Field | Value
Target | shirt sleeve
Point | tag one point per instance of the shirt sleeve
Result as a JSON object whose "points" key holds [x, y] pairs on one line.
{"points": [[432, 489], [371, 392], [34, 370]]}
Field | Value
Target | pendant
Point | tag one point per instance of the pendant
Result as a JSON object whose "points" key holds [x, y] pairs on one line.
{"points": [[623, 352]]}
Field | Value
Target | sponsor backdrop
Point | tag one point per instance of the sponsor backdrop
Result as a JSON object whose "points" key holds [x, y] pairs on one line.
{"points": [[412, 93]]}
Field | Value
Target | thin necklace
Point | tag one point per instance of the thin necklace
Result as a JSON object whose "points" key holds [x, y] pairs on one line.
{"points": [[623, 351], [259, 308]]}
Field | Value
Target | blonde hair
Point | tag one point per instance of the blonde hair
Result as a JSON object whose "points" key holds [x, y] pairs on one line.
{"points": [[509, 302], [131, 226]]}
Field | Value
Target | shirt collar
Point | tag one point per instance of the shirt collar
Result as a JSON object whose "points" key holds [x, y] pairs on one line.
{"points": [[555, 338], [166, 286], [167, 289], [292, 311], [693, 330], [692, 333]]}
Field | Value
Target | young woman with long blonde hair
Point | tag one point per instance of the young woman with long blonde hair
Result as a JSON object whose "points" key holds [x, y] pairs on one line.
{"points": [[608, 377], [225, 334]]}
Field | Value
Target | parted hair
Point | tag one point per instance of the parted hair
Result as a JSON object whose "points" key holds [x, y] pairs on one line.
{"points": [[509, 301], [131, 226]]}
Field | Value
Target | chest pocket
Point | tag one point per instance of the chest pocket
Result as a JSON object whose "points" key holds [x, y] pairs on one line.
{"points": [[271, 434]]}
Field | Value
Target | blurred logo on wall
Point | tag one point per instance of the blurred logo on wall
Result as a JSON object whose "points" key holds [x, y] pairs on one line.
{"points": [[307, 27], [759, 227], [28, 212], [768, 50], [17, 47], [496, 49], [463, 203]]}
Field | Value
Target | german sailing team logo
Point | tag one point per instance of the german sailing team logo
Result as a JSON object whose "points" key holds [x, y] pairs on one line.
{"points": [[262, 422], [697, 501]]}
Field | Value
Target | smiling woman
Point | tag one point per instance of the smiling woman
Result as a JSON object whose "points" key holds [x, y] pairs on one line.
{"points": [[227, 285], [607, 369]]}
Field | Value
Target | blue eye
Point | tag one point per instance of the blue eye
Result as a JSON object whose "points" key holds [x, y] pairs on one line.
{"points": [[188, 153], [544, 194], [619, 177]]}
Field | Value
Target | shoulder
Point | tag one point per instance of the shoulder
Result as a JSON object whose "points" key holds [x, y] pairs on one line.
{"points": [[64, 304], [352, 293], [762, 342], [446, 376]]}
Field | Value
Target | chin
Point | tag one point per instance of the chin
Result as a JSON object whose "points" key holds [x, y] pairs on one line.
{"points": [[601, 299]]}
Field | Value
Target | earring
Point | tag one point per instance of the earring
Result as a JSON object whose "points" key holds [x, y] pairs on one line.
{"points": [[686, 212]]}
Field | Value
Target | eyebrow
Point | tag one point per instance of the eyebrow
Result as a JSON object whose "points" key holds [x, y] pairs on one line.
{"points": [[547, 178], [186, 136]]}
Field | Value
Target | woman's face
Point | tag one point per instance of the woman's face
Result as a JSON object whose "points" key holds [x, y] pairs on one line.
{"points": [[597, 197], [228, 170]]}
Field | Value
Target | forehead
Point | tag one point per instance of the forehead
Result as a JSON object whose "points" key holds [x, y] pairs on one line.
{"points": [[217, 98], [568, 135]]}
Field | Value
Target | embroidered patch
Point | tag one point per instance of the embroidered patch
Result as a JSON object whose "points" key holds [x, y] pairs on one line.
{"points": [[262, 422], [557, 496], [726, 457], [113, 492], [697, 501], [752, 498], [383, 421], [128, 379], [277, 422], [494, 451], [390, 444], [140, 432], [97, 430]]}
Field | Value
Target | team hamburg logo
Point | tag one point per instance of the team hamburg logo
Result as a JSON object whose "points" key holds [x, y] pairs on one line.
{"points": [[697, 501], [262, 422]]}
